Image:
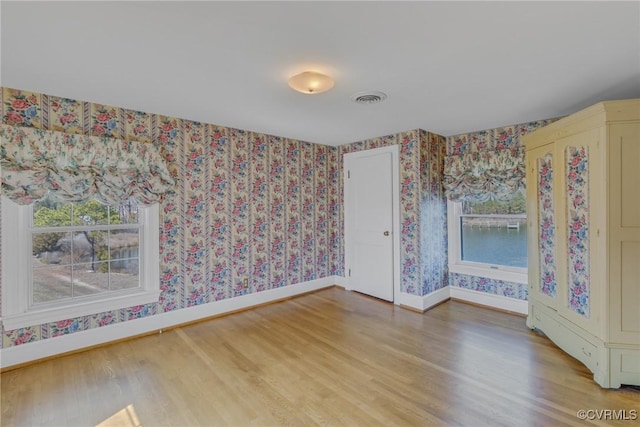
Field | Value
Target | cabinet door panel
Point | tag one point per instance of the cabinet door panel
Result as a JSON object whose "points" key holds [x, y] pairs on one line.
{"points": [[581, 199], [542, 229], [629, 289], [578, 223], [624, 232]]}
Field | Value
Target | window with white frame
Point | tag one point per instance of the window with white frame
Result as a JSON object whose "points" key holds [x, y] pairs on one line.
{"points": [[62, 260], [489, 238], [73, 241]]}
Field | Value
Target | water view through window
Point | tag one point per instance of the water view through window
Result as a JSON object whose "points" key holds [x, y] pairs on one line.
{"points": [[495, 232]]}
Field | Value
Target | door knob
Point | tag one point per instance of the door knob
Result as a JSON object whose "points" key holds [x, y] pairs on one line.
{"points": [[386, 233]]}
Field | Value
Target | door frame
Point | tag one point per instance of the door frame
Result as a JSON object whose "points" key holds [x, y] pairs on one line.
{"points": [[395, 189]]}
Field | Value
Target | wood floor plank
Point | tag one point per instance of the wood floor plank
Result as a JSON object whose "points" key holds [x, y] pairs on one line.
{"points": [[328, 358]]}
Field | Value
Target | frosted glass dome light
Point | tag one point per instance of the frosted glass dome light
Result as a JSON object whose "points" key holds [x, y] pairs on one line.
{"points": [[311, 82]]}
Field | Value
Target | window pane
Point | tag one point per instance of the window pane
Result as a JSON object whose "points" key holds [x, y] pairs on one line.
{"points": [[495, 232], [91, 212], [90, 278], [51, 248], [494, 242], [90, 246], [51, 212], [124, 244], [84, 261], [126, 213], [51, 284], [124, 274]]}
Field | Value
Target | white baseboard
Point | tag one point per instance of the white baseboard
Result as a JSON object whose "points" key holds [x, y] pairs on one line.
{"points": [[58, 345], [436, 297], [417, 302], [424, 302], [340, 281], [24, 353], [490, 300]]}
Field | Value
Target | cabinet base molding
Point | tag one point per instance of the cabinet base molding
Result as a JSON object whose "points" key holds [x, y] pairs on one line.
{"points": [[624, 365], [611, 366]]}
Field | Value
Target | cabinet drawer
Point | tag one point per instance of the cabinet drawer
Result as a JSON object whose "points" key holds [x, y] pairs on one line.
{"points": [[582, 350], [572, 343]]}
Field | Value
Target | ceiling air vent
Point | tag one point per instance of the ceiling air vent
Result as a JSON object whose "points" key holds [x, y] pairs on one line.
{"points": [[368, 97]]}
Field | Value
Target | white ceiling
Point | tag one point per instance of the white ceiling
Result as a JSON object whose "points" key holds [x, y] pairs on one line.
{"points": [[447, 67]]}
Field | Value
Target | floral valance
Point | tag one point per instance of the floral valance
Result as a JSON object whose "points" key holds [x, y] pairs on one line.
{"points": [[79, 167], [484, 175]]}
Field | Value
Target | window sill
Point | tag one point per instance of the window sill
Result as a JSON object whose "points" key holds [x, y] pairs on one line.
{"points": [[489, 273], [79, 308]]}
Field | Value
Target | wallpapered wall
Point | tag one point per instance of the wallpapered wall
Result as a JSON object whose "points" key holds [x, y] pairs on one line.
{"points": [[423, 223], [262, 207], [491, 139], [245, 205], [433, 213]]}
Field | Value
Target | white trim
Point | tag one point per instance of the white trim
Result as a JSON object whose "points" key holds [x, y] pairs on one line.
{"points": [[394, 150], [98, 304], [340, 281], [432, 299], [53, 346], [13, 245], [395, 171], [16, 250], [456, 265], [471, 270], [436, 297], [149, 254], [24, 353], [409, 300], [490, 300], [424, 302]]}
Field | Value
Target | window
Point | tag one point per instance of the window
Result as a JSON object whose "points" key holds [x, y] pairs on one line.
{"points": [[62, 260], [489, 239]]}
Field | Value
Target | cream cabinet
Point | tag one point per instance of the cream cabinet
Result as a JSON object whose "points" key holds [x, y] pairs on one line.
{"points": [[583, 208]]}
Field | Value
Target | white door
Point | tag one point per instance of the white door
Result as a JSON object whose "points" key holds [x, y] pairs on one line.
{"points": [[370, 180]]}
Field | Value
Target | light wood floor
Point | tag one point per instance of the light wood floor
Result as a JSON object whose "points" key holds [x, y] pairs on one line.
{"points": [[329, 358]]}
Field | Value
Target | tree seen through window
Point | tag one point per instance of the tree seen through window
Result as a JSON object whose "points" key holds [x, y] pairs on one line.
{"points": [[83, 248]]}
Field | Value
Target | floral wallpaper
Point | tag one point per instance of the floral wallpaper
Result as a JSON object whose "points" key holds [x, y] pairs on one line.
{"points": [[433, 213], [260, 207], [492, 139], [490, 286], [577, 183], [502, 138], [546, 226], [246, 205], [423, 224]]}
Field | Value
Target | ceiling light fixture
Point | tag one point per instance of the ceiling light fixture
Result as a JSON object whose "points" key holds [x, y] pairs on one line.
{"points": [[311, 82]]}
